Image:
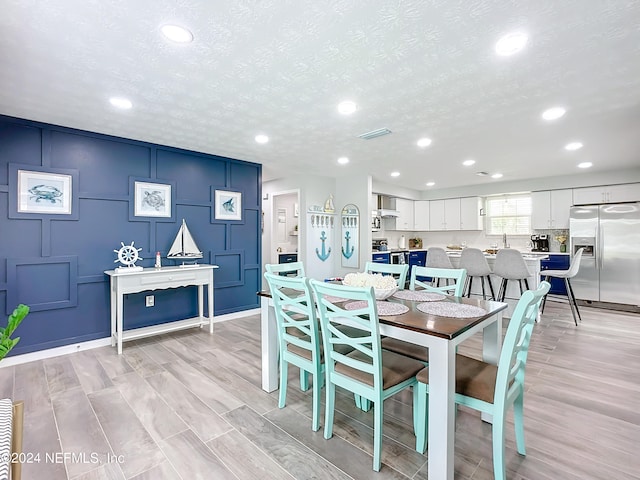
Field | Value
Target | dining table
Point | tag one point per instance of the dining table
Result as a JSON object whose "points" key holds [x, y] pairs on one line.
{"points": [[440, 329]]}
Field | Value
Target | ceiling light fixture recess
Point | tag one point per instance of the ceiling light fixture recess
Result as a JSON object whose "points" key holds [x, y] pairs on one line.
{"points": [[511, 43], [553, 113], [430, 184], [497, 175], [343, 160], [585, 165], [120, 102], [347, 107], [424, 142], [468, 163], [177, 34], [261, 138], [573, 146], [395, 174], [374, 133]]}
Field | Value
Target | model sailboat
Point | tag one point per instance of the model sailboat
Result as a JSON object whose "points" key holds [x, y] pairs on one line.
{"points": [[184, 247]]}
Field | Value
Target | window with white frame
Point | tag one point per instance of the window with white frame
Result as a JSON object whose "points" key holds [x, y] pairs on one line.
{"points": [[510, 214]]}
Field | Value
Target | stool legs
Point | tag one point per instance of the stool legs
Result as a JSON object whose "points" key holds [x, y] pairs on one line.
{"points": [[572, 302], [484, 295]]}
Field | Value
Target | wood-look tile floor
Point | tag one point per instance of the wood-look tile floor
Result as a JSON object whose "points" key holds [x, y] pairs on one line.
{"points": [[189, 406]]}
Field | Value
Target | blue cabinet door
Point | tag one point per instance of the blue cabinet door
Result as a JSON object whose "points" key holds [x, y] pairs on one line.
{"points": [[418, 259], [555, 262]]}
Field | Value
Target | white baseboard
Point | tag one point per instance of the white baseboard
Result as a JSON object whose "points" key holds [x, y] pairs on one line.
{"points": [[101, 342]]}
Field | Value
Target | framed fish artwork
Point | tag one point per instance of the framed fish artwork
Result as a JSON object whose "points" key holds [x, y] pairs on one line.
{"points": [[228, 205]]}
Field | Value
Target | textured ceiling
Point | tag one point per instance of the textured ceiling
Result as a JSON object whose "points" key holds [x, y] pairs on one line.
{"points": [[280, 67]]}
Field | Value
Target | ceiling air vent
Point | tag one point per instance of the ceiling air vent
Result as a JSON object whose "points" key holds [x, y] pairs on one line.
{"points": [[482, 174], [375, 133]]}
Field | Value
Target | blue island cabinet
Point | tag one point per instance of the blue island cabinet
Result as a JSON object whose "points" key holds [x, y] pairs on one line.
{"points": [[381, 257], [555, 262]]}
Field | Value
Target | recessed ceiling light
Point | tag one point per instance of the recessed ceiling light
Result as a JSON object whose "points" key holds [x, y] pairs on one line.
{"points": [[430, 184], [347, 107], [177, 34], [120, 102], [468, 163], [262, 138], [585, 165], [511, 43], [424, 142], [554, 113], [395, 174], [343, 160], [496, 175], [573, 146]]}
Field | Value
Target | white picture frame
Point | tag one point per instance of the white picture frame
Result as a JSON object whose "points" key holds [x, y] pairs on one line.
{"points": [[228, 205], [42, 192], [152, 199]]}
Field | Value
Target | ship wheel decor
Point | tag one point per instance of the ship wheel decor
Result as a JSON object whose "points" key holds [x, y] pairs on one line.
{"points": [[128, 256]]}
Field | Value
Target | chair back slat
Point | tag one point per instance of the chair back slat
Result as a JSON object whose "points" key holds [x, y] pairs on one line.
{"points": [[458, 275], [276, 268], [513, 358], [399, 272]]}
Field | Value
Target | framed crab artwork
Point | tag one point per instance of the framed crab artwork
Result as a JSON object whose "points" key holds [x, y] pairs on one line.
{"points": [[152, 199], [44, 192]]}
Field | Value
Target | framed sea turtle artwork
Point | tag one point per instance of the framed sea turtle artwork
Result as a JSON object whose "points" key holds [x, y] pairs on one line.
{"points": [[44, 192], [152, 199], [228, 205]]}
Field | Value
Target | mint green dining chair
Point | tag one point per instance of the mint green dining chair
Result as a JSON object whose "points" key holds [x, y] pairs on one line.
{"points": [[367, 371], [399, 272], [488, 388], [298, 336], [458, 275], [282, 268]]}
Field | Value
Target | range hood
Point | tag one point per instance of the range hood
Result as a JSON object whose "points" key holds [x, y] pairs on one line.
{"points": [[384, 207]]}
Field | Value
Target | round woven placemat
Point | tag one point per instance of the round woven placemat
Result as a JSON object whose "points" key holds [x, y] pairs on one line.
{"points": [[419, 296], [384, 308], [449, 309]]}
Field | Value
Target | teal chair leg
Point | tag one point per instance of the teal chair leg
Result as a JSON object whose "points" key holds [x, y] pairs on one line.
{"points": [[284, 371], [498, 447], [378, 407], [304, 380], [420, 416], [317, 385], [329, 408], [362, 403], [518, 420]]}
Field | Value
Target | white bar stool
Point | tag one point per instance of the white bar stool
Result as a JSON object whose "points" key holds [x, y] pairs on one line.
{"points": [[474, 261], [510, 266], [567, 275]]}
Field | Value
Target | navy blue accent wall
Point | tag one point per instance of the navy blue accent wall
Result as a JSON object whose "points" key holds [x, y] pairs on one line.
{"points": [[55, 262]]}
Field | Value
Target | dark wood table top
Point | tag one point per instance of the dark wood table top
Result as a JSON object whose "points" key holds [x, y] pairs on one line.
{"points": [[436, 325]]}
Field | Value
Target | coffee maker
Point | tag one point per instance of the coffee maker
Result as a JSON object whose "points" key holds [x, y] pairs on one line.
{"points": [[540, 243]]}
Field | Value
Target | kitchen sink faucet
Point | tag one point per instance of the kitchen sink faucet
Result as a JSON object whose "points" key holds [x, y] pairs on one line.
{"points": [[504, 240]]}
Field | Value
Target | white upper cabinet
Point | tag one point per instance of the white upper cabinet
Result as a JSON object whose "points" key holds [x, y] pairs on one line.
{"points": [[470, 218], [629, 192], [421, 215], [444, 214], [550, 209], [405, 218]]}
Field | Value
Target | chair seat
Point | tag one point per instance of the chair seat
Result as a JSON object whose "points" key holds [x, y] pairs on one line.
{"points": [[395, 369], [557, 273], [474, 378], [407, 349]]}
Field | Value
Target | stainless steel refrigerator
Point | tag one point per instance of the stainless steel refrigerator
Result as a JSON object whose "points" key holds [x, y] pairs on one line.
{"points": [[610, 267]]}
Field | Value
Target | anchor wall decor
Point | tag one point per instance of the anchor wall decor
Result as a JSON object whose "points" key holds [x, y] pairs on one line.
{"points": [[325, 253], [347, 254]]}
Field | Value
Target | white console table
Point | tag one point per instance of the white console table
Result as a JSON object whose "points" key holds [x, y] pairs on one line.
{"points": [[123, 283]]}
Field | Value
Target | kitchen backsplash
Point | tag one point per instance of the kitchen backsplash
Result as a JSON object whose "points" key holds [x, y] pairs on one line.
{"points": [[476, 239]]}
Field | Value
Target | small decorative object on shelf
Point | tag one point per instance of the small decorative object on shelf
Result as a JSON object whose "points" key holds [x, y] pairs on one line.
{"points": [[562, 240], [415, 242], [128, 256], [158, 263], [184, 247], [328, 205]]}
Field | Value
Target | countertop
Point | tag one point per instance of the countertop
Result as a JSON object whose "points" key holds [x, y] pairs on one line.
{"points": [[457, 252]]}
